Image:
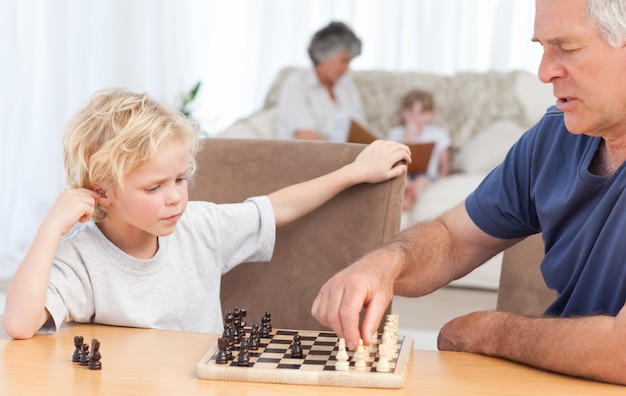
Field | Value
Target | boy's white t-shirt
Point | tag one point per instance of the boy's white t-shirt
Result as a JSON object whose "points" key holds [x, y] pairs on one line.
{"points": [[179, 288]]}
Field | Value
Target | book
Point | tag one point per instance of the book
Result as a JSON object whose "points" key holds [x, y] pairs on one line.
{"points": [[420, 152]]}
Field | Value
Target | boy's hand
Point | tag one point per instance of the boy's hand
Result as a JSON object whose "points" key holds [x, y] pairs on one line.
{"points": [[72, 206], [381, 160]]}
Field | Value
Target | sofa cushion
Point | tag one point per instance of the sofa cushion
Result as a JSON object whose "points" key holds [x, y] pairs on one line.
{"points": [[487, 148], [260, 125], [534, 96]]}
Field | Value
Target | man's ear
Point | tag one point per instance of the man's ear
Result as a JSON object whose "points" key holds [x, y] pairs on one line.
{"points": [[103, 199]]}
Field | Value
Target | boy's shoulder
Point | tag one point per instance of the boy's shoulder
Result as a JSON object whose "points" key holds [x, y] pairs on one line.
{"points": [[80, 231]]}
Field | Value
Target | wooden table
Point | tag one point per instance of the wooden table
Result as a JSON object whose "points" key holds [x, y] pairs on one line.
{"points": [[163, 362]]}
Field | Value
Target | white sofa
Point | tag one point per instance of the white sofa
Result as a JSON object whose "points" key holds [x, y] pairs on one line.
{"points": [[484, 114]]}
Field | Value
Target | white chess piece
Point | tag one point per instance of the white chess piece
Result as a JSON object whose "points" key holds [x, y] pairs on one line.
{"points": [[359, 357], [383, 364], [342, 357], [384, 352]]}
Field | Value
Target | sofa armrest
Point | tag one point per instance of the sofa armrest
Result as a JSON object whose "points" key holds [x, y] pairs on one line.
{"points": [[522, 288]]}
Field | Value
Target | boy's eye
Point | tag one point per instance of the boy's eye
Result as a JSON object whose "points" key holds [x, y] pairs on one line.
{"points": [[180, 179], [152, 189]]}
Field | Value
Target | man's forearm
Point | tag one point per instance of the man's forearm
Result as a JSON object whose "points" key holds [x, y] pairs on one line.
{"points": [[426, 252], [590, 347]]}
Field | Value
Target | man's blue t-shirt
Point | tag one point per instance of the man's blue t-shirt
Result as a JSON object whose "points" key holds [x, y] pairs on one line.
{"points": [[544, 185]]}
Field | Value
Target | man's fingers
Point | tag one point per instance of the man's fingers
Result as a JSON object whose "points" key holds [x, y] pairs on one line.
{"points": [[372, 318]]}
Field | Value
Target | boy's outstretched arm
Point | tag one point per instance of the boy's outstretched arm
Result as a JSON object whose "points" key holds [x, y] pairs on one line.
{"points": [[25, 311], [379, 161]]}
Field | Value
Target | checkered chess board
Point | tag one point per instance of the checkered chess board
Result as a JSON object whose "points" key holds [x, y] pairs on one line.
{"points": [[272, 362]]}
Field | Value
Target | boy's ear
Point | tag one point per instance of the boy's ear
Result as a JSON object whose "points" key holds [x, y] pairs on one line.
{"points": [[101, 190]]}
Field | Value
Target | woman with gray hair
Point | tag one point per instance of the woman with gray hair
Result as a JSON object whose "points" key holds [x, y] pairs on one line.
{"points": [[320, 103]]}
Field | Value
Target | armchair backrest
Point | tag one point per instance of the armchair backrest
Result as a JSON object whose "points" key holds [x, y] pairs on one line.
{"points": [[522, 288], [311, 249]]}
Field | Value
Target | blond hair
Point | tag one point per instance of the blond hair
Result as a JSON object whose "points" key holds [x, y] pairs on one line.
{"points": [[117, 132]]}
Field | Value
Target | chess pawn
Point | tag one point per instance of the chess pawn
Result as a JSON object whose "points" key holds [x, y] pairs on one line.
{"points": [[78, 343], [383, 364], [84, 355], [244, 356], [268, 320], [342, 357], [296, 347], [222, 345], [359, 357], [266, 325], [374, 339]]}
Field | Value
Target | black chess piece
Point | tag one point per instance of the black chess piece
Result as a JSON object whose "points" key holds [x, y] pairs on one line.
{"points": [[228, 317], [78, 343], [254, 338], [244, 356], [266, 326], [221, 356], [268, 317], [84, 355], [236, 325], [242, 322], [95, 356], [296, 347], [229, 332]]}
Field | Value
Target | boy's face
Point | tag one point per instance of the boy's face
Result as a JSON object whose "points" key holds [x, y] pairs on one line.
{"points": [[415, 115], [153, 197]]}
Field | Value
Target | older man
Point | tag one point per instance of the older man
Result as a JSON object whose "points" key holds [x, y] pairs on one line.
{"points": [[564, 178]]}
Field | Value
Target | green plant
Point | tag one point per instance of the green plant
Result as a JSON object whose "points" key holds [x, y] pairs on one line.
{"points": [[187, 98]]}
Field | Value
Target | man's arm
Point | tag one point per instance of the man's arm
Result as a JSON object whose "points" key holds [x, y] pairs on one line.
{"points": [[593, 347], [418, 261], [376, 163]]}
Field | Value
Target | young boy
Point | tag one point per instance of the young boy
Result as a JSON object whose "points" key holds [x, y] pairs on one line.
{"points": [[144, 256], [417, 114]]}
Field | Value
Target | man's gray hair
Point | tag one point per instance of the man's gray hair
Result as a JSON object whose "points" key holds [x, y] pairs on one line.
{"points": [[610, 17], [336, 37]]}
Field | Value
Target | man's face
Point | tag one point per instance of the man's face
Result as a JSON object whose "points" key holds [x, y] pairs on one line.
{"points": [[587, 74]]}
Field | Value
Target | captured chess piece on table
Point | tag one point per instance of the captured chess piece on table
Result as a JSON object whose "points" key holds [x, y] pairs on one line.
{"points": [[84, 357], [78, 345], [94, 356]]}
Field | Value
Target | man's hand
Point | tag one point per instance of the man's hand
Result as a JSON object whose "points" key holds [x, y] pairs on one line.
{"points": [[367, 283], [466, 333]]}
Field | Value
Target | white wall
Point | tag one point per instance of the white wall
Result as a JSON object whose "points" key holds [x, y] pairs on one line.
{"points": [[54, 54]]}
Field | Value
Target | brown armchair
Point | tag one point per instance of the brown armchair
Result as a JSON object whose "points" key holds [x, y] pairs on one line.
{"points": [[522, 288], [310, 250]]}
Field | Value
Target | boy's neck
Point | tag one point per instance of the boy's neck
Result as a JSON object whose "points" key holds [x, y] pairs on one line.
{"points": [[137, 243], [413, 130]]}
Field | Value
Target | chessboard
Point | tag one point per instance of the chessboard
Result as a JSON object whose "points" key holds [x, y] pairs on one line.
{"points": [[272, 362]]}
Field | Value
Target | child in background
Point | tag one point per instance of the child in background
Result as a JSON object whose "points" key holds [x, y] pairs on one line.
{"points": [[417, 114], [144, 256]]}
